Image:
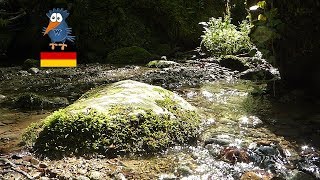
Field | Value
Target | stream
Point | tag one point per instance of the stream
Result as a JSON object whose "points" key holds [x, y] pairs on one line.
{"points": [[242, 136]]}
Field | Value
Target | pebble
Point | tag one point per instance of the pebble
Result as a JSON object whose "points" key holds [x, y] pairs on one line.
{"points": [[120, 176], [167, 177], [34, 161], [2, 97], [82, 178], [95, 175], [43, 165], [23, 73], [27, 158], [44, 178], [36, 174], [82, 171]]}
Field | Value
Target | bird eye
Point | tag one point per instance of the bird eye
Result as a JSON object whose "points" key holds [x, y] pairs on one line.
{"points": [[59, 17], [53, 17]]}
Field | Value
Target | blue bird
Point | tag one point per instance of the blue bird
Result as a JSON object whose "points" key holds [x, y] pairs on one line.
{"points": [[58, 30]]}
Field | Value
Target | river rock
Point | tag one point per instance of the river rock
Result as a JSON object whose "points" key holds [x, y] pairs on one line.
{"points": [[258, 74], [136, 117], [95, 175], [298, 175], [33, 70], [184, 170], [2, 97], [234, 63], [162, 64]]}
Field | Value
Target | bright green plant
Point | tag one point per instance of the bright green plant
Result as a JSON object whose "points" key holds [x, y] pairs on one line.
{"points": [[221, 37]]}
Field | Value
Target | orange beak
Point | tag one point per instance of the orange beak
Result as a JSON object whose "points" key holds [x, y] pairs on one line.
{"points": [[51, 26]]}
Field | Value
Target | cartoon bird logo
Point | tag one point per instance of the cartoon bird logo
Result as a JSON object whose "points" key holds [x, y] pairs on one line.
{"points": [[58, 30]]}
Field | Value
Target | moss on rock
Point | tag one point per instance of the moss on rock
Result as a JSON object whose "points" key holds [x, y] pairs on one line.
{"points": [[121, 118], [129, 55]]}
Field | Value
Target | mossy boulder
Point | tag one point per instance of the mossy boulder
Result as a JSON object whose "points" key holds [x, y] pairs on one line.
{"points": [[120, 118], [30, 63], [129, 55], [161, 64], [234, 63]]}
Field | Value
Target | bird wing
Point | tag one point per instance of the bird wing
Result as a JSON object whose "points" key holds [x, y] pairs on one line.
{"points": [[71, 38], [44, 30]]}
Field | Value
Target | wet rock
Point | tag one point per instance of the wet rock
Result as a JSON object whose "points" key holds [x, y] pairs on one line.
{"points": [[27, 158], [120, 176], [82, 178], [82, 171], [23, 73], [234, 63], [250, 121], [251, 175], [310, 161], [167, 177], [44, 178], [43, 165], [16, 156], [95, 175], [34, 161], [184, 170], [220, 140], [33, 70], [299, 175], [2, 97], [162, 64], [30, 101], [258, 74], [36, 174]]}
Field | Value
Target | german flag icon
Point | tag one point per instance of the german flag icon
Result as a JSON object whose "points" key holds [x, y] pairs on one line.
{"points": [[58, 59]]}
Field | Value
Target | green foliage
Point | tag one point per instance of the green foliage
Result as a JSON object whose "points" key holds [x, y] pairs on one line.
{"points": [[129, 55], [268, 28], [120, 132], [223, 38]]}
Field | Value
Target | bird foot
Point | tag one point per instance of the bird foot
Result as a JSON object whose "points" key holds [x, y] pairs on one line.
{"points": [[53, 45], [62, 46]]}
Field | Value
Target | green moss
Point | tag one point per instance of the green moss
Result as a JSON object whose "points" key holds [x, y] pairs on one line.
{"points": [[118, 132], [129, 55]]}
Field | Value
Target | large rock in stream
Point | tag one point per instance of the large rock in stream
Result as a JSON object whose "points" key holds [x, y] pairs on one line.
{"points": [[120, 118]]}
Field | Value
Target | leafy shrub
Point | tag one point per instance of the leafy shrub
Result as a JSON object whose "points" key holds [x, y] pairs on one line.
{"points": [[223, 38]]}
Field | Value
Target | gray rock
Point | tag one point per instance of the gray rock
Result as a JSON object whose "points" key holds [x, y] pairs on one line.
{"points": [[33, 70]]}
